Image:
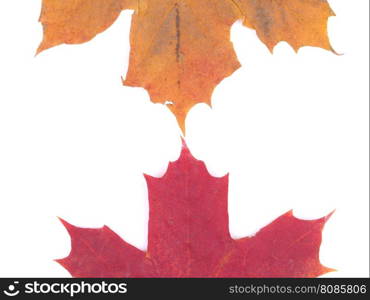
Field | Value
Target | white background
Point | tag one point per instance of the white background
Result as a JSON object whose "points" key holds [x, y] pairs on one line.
{"points": [[291, 129]]}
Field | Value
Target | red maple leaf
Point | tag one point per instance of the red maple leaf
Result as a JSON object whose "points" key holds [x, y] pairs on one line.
{"points": [[189, 236]]}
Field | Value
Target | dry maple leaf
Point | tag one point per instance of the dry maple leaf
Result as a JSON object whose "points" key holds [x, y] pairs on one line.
{"points": [[189, 236], [181, 49]]}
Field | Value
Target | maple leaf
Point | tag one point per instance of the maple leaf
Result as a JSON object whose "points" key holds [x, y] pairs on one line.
{"points": [[189, 236], [181, 49]]}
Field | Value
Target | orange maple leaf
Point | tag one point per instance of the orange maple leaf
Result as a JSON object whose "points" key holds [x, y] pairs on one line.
{"points": [[181, 49]]}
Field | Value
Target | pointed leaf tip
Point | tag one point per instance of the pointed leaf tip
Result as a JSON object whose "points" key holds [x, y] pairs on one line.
{"points": [[67, 225]]}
